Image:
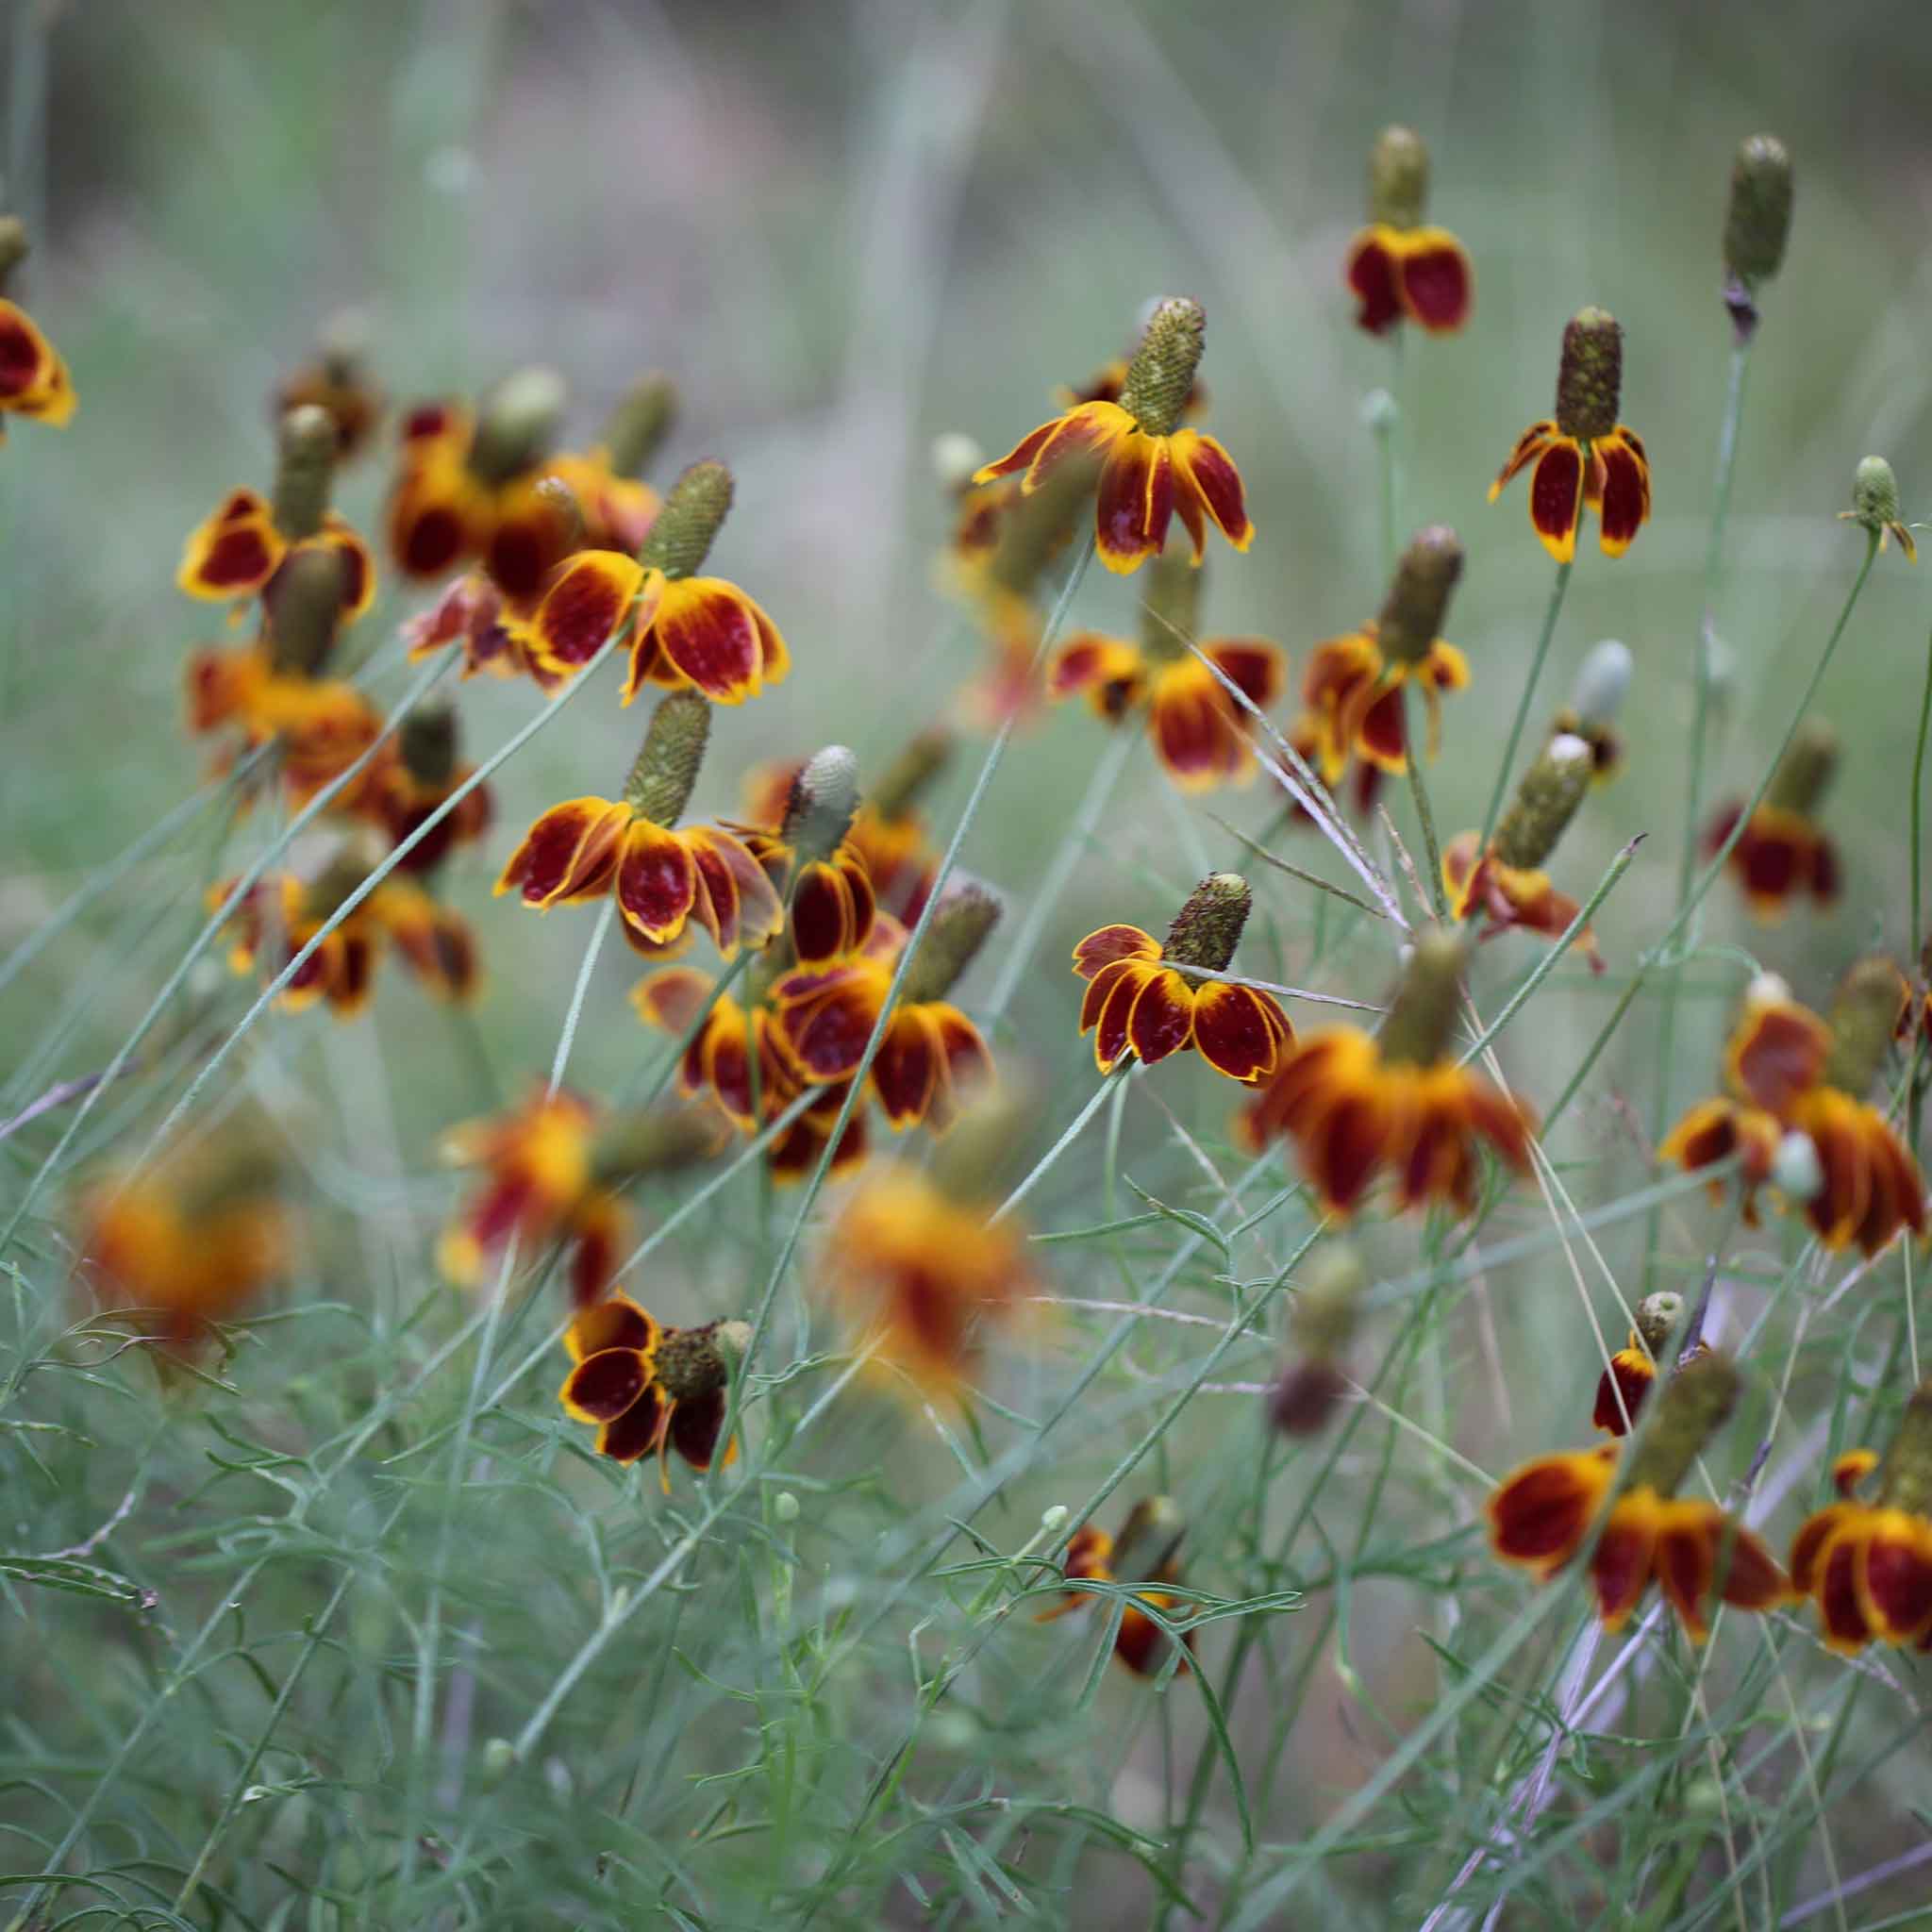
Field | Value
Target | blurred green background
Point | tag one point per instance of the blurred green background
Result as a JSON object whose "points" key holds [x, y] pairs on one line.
{"points": [[847, 228]]}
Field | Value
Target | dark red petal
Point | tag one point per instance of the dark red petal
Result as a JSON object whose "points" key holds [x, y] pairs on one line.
{"points": [[1218, 485], [1162, 1017], [1136, 500], [704, 627], [1623, 507], [696, 1423], [603, 1386], [1371, 276], [906, 1067], [637, 1430], [657, 881], [1232, 1031], [1437, 281], [1556, 498]]}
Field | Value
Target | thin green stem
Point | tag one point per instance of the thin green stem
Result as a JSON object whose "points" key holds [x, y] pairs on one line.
{"points": [[1419, 792], [1555, 609], [1917, 1101]]}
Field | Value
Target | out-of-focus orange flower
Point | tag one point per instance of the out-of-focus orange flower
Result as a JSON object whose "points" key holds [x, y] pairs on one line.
{"points": [[1145, 1551], [1354, 695], [422, 774], [1399, 268], [34, 382], [1151, 471], [321, 725], [337, 380], [1359, 1106], [241, 548], [1584, 458], [647, 1388], [1783, 853]]}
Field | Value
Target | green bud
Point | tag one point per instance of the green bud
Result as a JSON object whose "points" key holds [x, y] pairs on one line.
{"points": [[1418, 599], [653, 1140], [1805, 772], [305, 609], [1155, 388], [1321, 1321], [517, 425], [667, 762], [1757, 221], [560, 497], [499, 1761], [784, 1507], [305, 466], [1590, 375], [1398, 178], [1875, 495], [1691, 1407], [429, 742], [1208, 928], [638, 426], [694, 512], [1861, 1017], [1423, 1014], [1545, 802], [960, 923], [1904, 1478]]}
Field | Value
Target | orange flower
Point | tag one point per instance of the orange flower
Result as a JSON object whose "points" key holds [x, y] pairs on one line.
{"points": [[1354, 695], [1868, 1565], [34, 382], [1138, 1001], [1150, 469], [1398, 267], [1146, 1547], [1789, 1072], [186, 1245], [421, 776], [338, 382], [1357, 1106], [1584, 458], [541, 1185], [1198, 731], [925, 1278], [239, 550], [322, 725], [647, 1388]]}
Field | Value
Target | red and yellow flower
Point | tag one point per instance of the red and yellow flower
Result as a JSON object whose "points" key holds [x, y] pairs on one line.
{"points": [[337, 381], [1354, 695], [1781, 852], [1139, 1001], [240, 549], [647, 1388], [322, 725], [1789, 1072], [1399, 268], [1627, 1382], [423, 775], [1359, 1106], [1584, 458], [1550, 1512], [1145, 1551], [34, 382], [1151, 471]]}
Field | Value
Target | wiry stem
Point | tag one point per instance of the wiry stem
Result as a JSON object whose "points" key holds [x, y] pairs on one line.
{"points": [[1500, 791]]}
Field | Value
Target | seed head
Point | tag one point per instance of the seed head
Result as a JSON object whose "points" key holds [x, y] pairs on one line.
{"points": [[1875, 495], [824, 796], [1757, 221], [1418, 600], [1545, 802], [967, 912], [1904, 1481], [517, 425], [1422, 1016], [1590, 375], [305, 464], [1658, 1316], [638, 426], [1862, 1013], [1691, 1406], [1398, 178], [925, 756], [1805, 772], [1155, 388], [303, 604], [1208, 927], [667, 762], [694, 512]]}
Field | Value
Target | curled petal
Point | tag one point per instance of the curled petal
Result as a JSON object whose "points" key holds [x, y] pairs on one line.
{"points": [[1162, 1020], [1088, 427], [1112, 1003], [710, 632], [1625, 503], [1540, 1514], [1894, 1574], [1208, 477], [905, 1070], [588, 603], [1371, 274], [1111, 942], [639, 1430], [616, 1322], [568, 855], [1556, 498], [1135, 501], [1194, 736], [1626, 1555], [234, 553], [1777, 1054], [1808, 1544], [696, 1423], [1529, 445], [1835, 1590]]}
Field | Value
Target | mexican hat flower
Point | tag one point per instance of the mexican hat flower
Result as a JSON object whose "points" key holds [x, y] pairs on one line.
{"points": [[1603, 681], [423, 775], [1142, 1000], [1548, 1513], [1794, 1107], [1875, 507], [189, 1242], [1781, 852], [647, 1388], [1145, 1552], [1625, 1383], [1357, 1105], [337, 380], [249, 541], [662, 877], [1503, 885], [1757, 225], [34, 382], [1151, 470], [926, 1282], [1399, 268], [930, 1052], [1584, 457], [1867, 1565], [1353, 683], [321, 725], [1199, 732], [679, 629]]}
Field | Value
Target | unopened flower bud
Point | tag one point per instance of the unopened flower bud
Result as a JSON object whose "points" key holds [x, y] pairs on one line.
{"points": [[667, 762], [636, 429], [1602, 681], [499, 1759], [1805, 772], [562, 501], [925, 756], [1757, 221], [1691, 1406], [429, 742], [824, 796], [14, 245], [694, 512], [1418, 598], [1589, 376], [1904, 1481], [1863, 1014], [1398, 178], [1208, 928], [1422, 1016], [1766, 990], [305, 465], [516, 425], [1174, 601], [303, 606], [1148, 1540], [1796, 1171], [954, 457], [784, 1507], [1875, 494], [1545, 802], [1658, 1316], [1155, 388], [1054, 1517], [967, 912]]}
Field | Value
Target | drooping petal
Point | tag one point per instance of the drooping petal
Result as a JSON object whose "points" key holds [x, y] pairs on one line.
{"points": [[656, 881], [1436, 282], [1556, 498], [1100, 988], [601, 1387], [1777, 1054], [1232, 1031], [1624, 504], [1894, 1574], [1111, 671], [1135, 501], [1112, 1005], [1840, 1610], [567, 854], [1195, 741], [1751, 1579], [1207, 474], [760, 912], [1381, 732], [1541, 1513], [1371, 274], [1109, 944], [1162, 1020], [1529, 445], [905, 1070], [696, 1423], [709, 629], [1259, 668], [1626, 1553], [638, 1431], [599, 1233], [827, 1037], [1808, 1544], [588, 603], [1344, 1144], [1621, 1390], [234, 553], [965, 1063]]}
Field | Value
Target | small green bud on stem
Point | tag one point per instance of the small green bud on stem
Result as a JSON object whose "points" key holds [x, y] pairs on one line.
{"points": [[1590, 375], [304, 604], [1208, 928], [305, 467], [692, 514], [517, 425], [1905, 1479], [1875, 495], [667, 762], [1861, 1017], [1418, 599], [1398, 178], [1422, 1016], [1545, 802], [961, 923], [1658, 1316], [1691, 1407], [1155, 388], [429, 742], [1758, 220], [636, 429]]}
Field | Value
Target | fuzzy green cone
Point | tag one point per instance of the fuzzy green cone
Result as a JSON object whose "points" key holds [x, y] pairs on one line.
{"points": [[819, 812], [1398, 178], [961, 925], [636, 428], [1905, 1479], [1757, 221], [1590, 375], [689, 1362], [1418, 600], [1174, 601], [517, 425], [1545, 802], [1805, 772], [1422, 1016], [1658, 1316], [304, 603], [1208, 928], [908, 776], [1690, 1407], [305, 469], [1155, 387], [654, 1139], [1861, 1017], [694, 512], [667, 762]]}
